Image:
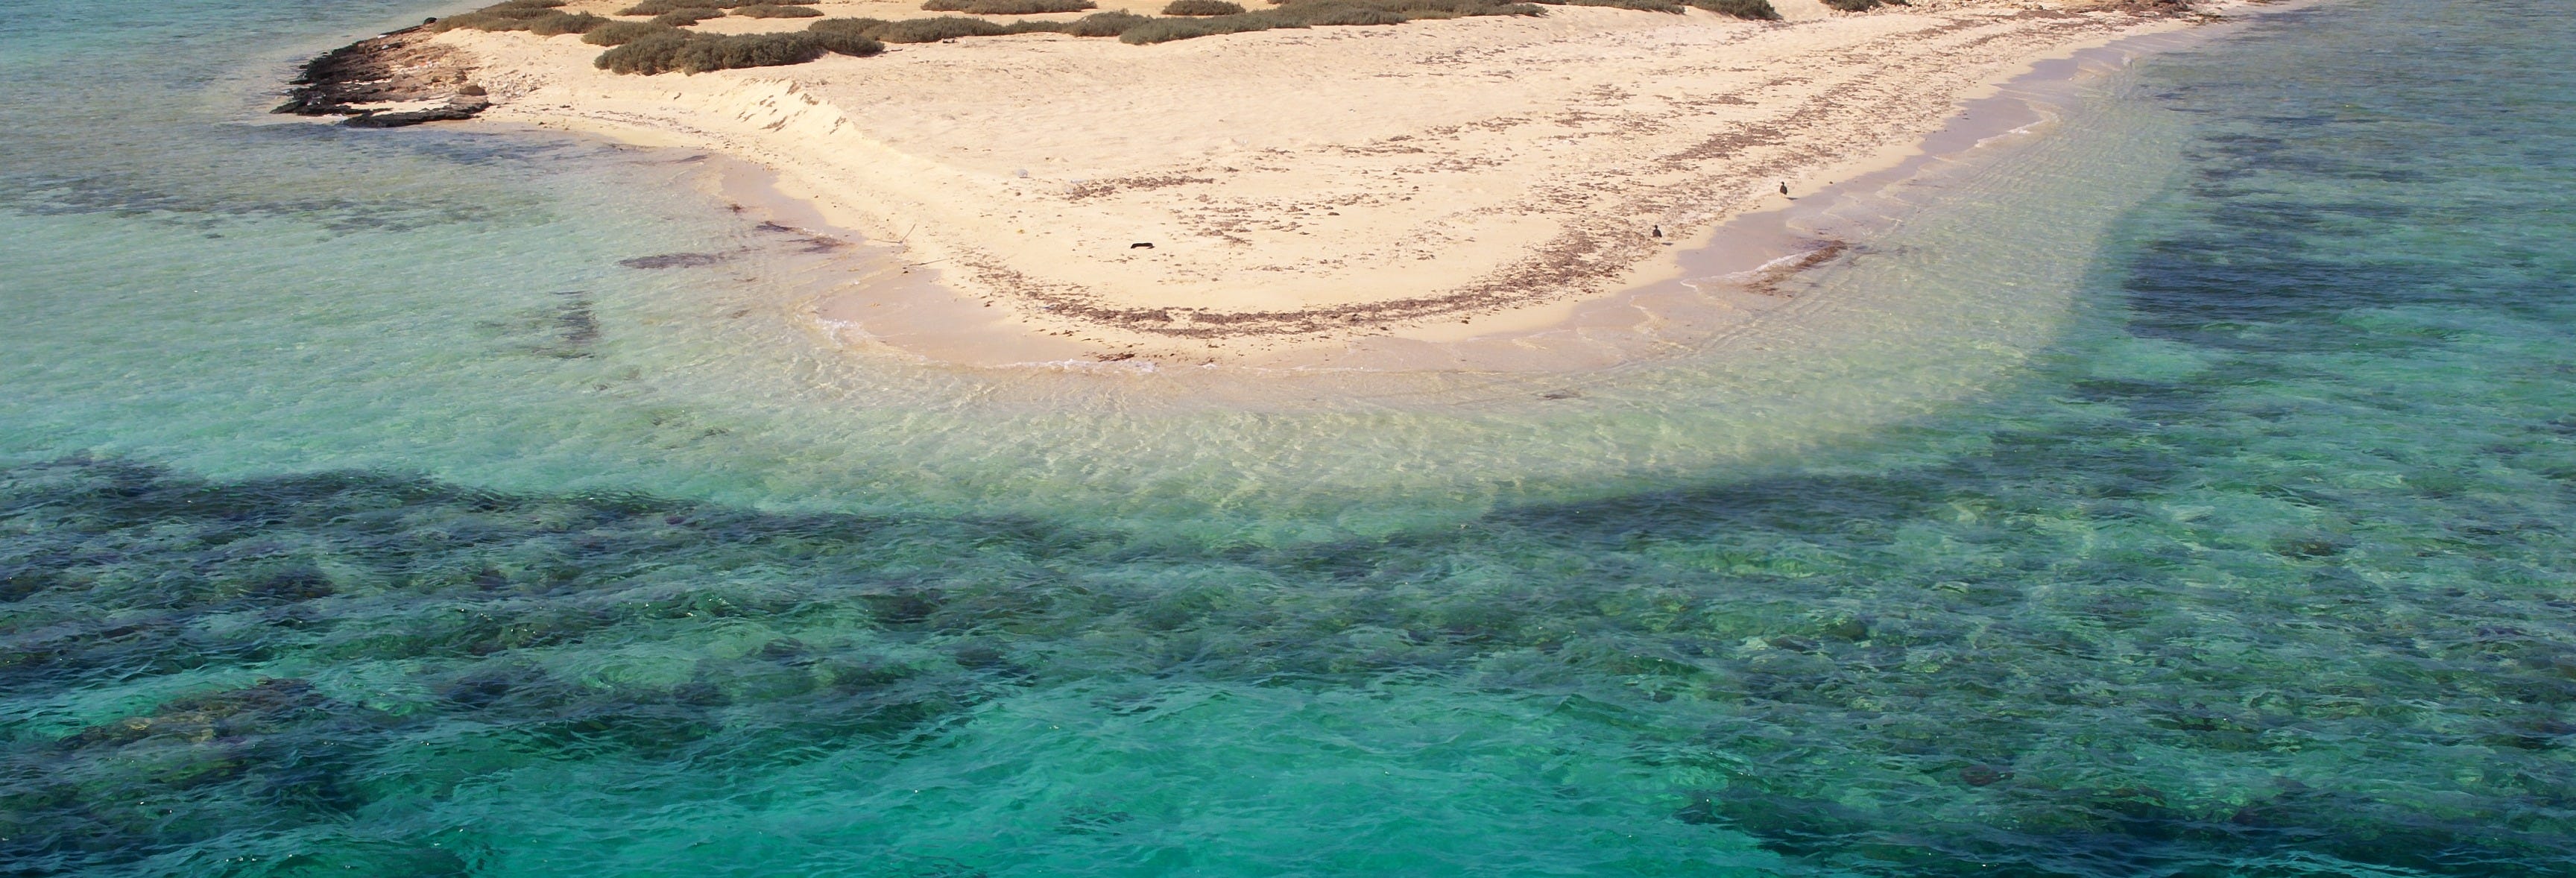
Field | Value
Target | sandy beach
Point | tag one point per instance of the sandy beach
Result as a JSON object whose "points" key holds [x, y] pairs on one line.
{"points": [[1302, 190]]}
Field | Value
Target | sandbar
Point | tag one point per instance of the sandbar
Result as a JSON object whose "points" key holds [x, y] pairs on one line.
{"points": [[1306, 192]]}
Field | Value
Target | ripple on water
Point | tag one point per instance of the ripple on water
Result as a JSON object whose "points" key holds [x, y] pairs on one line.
{"points": [[2255, 564]]}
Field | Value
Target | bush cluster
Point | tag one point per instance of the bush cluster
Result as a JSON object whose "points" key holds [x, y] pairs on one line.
{"points": [[699, 53], [1164, 30], [1639, 5], [913, 30], [658, 7], [687, 16], [1752, 10], [539, 17], [771, 10], [1097, 24], [560, 23], [1320, 13], [1855, 5], [1008, 7], [619, 33], [853, 45], [657, 47]]}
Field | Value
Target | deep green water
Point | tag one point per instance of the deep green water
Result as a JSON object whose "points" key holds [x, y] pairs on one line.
{"points": [[2190, 495]]}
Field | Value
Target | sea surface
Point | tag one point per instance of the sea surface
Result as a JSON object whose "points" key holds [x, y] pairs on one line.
{"points": [[2187, 487]]}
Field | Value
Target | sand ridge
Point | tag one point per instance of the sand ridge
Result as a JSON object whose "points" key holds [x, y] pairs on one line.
{"points": [[1307, 187]]}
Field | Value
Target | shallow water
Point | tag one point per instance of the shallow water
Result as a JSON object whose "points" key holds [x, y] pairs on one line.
{"points": [[2184, 492]]}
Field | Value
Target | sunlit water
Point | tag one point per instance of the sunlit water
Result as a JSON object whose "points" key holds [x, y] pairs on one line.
{"points": [[2183, 492]]}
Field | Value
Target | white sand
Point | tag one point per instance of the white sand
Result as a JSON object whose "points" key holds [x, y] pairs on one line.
{"points": [[1303, 188]]}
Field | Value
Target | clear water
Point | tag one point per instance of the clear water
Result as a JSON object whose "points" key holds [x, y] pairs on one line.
{"points": [[2185, 493]]}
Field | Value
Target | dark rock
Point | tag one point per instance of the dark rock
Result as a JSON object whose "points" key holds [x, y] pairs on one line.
{"points": [[672, 260], [449, 113], [399, 66]]}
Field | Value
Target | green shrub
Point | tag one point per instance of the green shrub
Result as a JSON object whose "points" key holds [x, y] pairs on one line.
{"points": [[932, 30], [1357, 15], [769, 10], [657, 7], [653, 54], [559, 24], [687, 16], [853, 26], [1639, 5], [1854, 5], [1316, 11], [1328, 12], [619, 33], [853, 45], [1312, 13], [536, 16], [1008, 7], [1104, 24], [1203, 7], [1752, 10], [700, 53], [925, 30], [1164, 30], [1097, 24]]}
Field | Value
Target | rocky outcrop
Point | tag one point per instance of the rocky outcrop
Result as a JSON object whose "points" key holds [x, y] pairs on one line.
{"points": [[369, 80]]}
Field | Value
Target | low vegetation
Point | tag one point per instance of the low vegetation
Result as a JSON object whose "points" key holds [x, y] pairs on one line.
{"points": [[1008, 7], [1164, 30], [1320, 13], [699, 53], [853, 45], [1855, 5], [660, 46], [619, 33], [913, 30], [539, 17], [1098, 24], [1639, 5], [1752, 10], [687, 16], [658, 7], [560, 23]]}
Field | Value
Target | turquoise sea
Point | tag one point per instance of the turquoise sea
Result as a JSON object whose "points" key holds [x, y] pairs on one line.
{"points": [[2186, 488]]}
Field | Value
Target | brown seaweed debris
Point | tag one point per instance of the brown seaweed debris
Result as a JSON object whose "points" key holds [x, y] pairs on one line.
{"points": [[672, 260], [398, 67]]}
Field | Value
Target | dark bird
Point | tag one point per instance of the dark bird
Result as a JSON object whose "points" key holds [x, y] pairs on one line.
{"points": [[1784, 188], [1141, 245], [1659, 231]]}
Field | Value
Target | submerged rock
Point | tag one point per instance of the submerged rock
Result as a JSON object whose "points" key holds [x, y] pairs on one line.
{"points": [[672, 260], [450, 113]]}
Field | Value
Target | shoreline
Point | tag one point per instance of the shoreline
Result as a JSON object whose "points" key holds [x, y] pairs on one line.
{"points": [[925, 304], [1694, 292]]}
